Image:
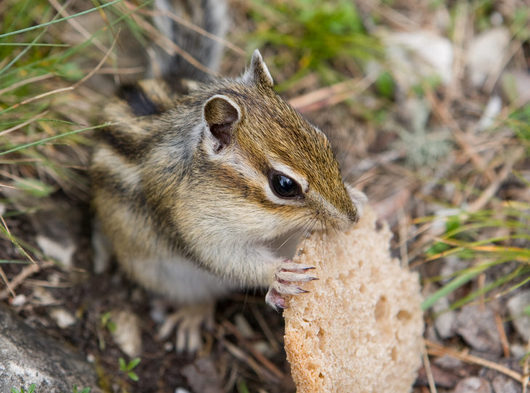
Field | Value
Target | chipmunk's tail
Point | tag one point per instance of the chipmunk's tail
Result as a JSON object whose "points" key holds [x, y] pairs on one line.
{"points": [[189, 25]]}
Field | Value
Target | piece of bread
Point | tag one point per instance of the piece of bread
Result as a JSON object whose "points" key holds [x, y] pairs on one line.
{"points": [[359, 329]]}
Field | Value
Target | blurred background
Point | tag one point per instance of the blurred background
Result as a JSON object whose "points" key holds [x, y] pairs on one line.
{"points": [[426, 104]]}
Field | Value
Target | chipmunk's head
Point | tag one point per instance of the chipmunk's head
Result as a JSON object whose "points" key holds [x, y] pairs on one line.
{"points": [[282, 166]]}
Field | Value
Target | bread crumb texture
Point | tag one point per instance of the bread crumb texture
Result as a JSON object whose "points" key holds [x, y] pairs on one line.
{"points": [[359, 329]]}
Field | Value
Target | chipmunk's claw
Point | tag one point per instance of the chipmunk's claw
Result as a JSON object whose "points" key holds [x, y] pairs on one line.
{"points": [[275, 300], [188, 322], [285, 282]]}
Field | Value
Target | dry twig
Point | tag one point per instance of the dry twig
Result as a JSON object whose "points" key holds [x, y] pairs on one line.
{"points": [[502, 335], [428, 370], [25, 273], [18, 126], [262, 359], [436, 349], [68, 88], [489, 192], [77, 26], [331, 95]]}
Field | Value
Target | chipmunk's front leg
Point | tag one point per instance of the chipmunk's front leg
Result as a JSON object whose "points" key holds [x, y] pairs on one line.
{"points": [[257, 266]]}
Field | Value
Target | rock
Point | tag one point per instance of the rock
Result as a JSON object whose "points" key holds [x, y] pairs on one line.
{"points": [[478, 328], [520, 318], [243, 326], [29, 357], [493, 108], [500, 382], [486, 53], [19, 300], [58, 227], [202, 376], [419, 54], [126, 332], [473, 385], [518, 351], [448, 362], [62, 251], [452, 265], [62, 317], [446, 379], [446, 319], [516, 86], [503, 384]]}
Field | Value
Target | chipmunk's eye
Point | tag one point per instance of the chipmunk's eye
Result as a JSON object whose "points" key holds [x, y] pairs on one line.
{"points": [[283, 186]]}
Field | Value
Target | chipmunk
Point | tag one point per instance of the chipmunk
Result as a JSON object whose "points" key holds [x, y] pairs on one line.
{"points": [[192, 191]]}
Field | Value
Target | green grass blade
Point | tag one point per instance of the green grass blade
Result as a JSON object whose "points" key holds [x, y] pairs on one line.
{"points": [[450, 287], [51, 138], [22, 53], [58, 20], [473, 295]]}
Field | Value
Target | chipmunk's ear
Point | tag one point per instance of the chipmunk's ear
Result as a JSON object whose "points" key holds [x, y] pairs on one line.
{"points": [[221, 114], [258, 72]]}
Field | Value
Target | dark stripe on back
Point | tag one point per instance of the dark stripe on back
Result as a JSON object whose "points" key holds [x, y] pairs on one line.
{"points": [[123, 144], [134, 197], [138, 101]]}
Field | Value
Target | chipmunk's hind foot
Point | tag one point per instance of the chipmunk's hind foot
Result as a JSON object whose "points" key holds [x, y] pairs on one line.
{"points": [[188, 323]]}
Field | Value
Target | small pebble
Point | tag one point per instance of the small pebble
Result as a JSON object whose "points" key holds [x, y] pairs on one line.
{"points": [[127, 333], [264, 348], [18, 300], [243, 326], [62, 317], [445, 320], [486, 53], [521, 321], [478, 328], [473, 385], [56, 250], [503, 384], [448, 362]]}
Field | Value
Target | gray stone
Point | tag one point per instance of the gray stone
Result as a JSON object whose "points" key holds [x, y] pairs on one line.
{"points": [[478, 328], [28, 357], [503, 384], [486, 53], [445, 318], [473, 385], [202, 376], [417, 55], [515, 85], [127, 333], [520, 320]]}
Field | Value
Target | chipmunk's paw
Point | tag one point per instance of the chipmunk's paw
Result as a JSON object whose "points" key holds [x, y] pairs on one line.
{"points": [[188, 321], [285, 282]]}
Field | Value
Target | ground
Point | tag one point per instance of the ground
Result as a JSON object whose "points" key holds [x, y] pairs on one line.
{"points": [[426, 104]]}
